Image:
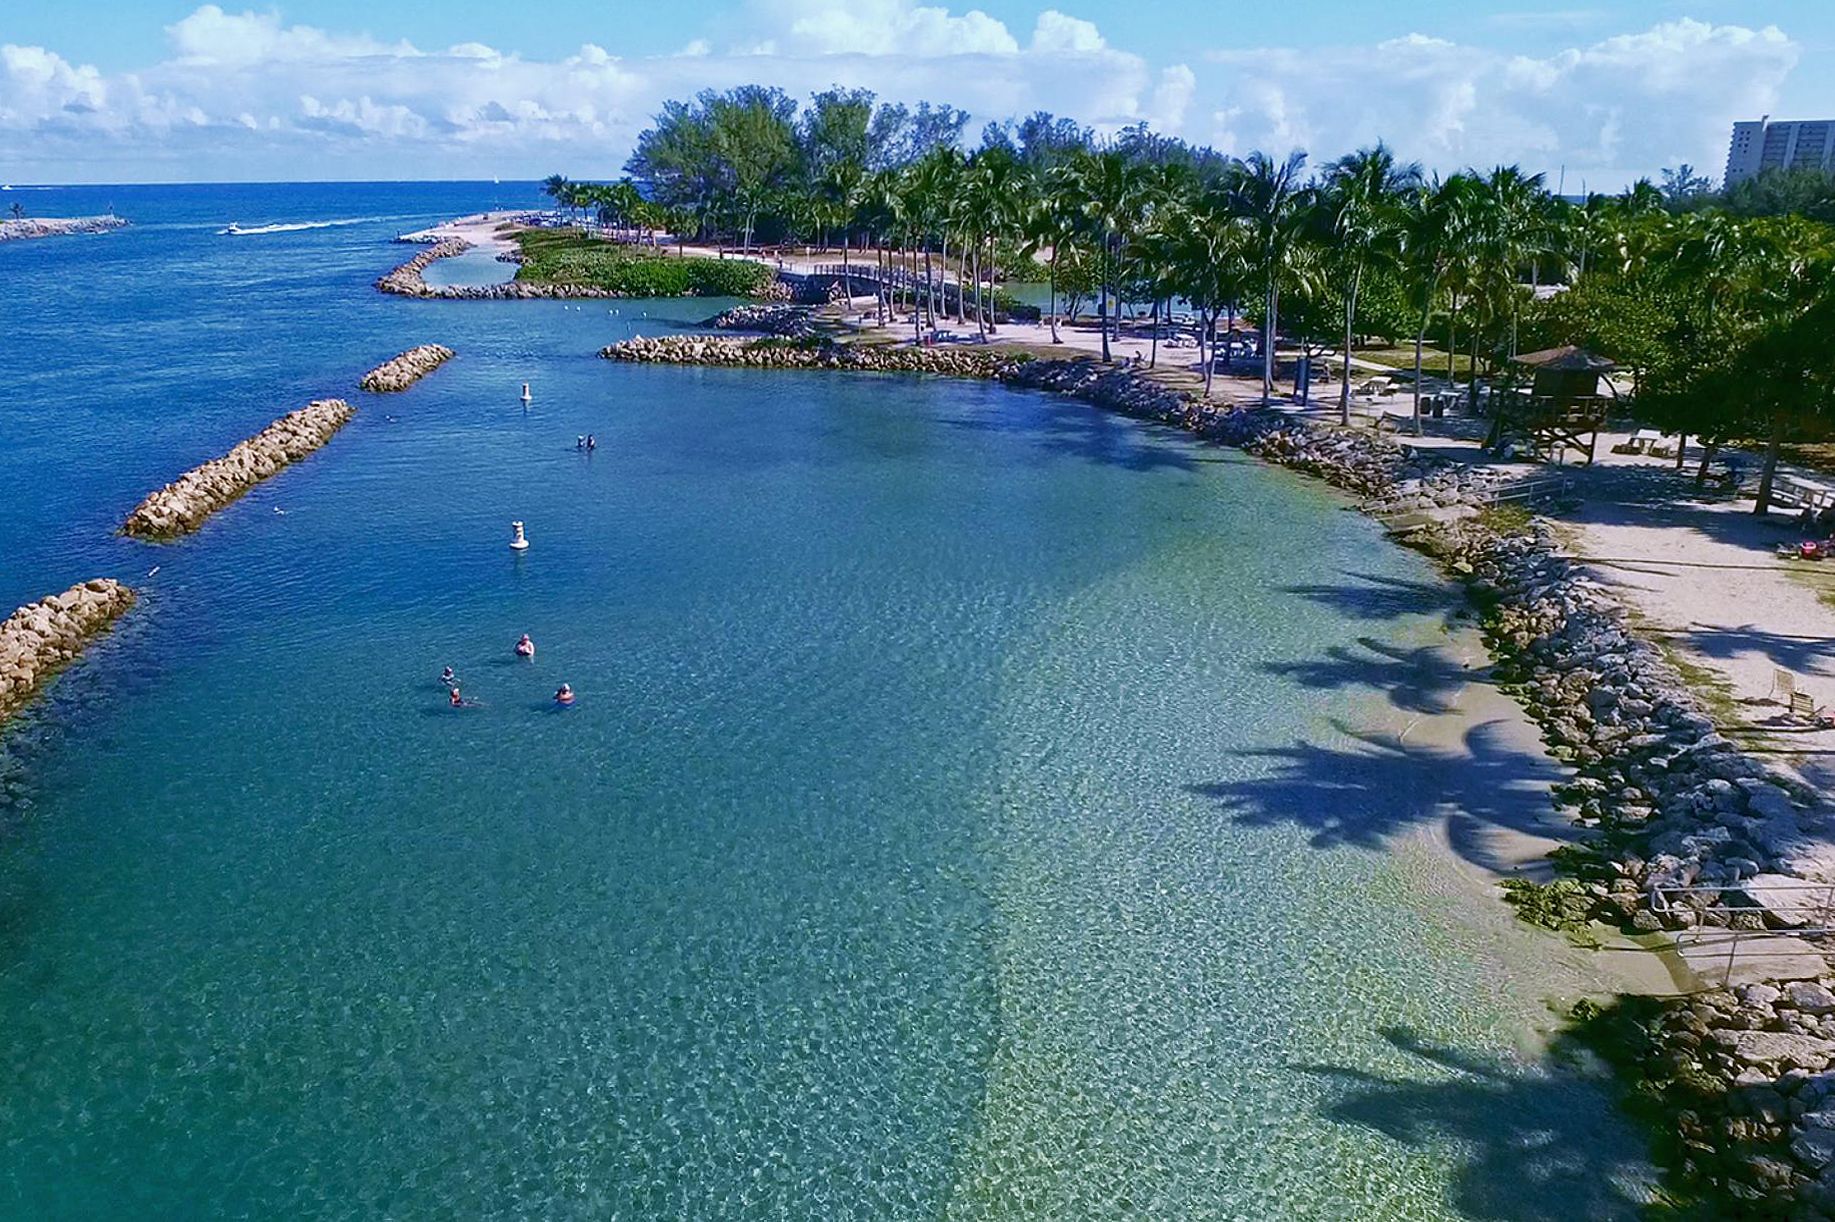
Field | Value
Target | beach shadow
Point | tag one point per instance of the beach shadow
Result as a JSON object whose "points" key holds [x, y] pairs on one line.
{"points": [[1371, 596], [1425, 679], [1487, 790], [1530, 1155]]}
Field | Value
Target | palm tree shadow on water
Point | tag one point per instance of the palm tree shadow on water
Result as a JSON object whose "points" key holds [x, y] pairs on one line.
{"points": [[1535, 1148], [1377, 787]]}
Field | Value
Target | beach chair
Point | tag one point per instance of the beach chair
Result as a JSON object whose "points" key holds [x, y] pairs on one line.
{"points": [[1783, 688], [1802, 707]]}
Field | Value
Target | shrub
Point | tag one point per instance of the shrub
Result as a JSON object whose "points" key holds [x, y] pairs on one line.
{"points": [[558, 256]]}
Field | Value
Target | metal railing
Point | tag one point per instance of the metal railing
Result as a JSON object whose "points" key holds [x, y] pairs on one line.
{"points": [[1815, 912]]}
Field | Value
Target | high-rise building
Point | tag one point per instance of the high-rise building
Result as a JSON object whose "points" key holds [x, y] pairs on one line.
{"points": [[1767, 146]]}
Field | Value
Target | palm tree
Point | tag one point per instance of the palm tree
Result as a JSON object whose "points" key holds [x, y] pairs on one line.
{"points": [[1434, 227], [1112, 190], [1363, 200], [842, 191], [1276, 208]]}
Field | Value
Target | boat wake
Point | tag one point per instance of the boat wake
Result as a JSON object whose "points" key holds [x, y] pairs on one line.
{"points": [[246, 231]]}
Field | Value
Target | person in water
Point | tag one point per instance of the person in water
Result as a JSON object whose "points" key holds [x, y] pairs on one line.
{"points": [[579, 442], [449, 679], [592, 443], [459, 702], [564, 696], [525, 648]]}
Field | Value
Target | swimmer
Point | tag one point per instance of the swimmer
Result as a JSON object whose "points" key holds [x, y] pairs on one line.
{"points": [[564, 696], [525, 648], [449, 679], [579, 443], [457, 701], [592, 443]]}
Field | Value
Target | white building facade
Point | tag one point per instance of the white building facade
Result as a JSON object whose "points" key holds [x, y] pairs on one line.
{"points": [[1765, 145]]}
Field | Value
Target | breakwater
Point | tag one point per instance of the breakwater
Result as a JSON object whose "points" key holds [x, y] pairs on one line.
{"points": [[769, 318], [183, 505], [54, 227], [403, 371], [767, 354], [43, 637], [407, 281]]}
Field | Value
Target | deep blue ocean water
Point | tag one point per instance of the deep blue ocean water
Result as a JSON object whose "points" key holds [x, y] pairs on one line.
{"points": [[959, 816]]}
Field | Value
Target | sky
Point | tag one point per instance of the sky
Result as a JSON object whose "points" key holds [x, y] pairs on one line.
{"points": [[1595, 96]]}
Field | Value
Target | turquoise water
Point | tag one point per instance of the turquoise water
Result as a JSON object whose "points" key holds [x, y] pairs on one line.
{"points": [[930, 836]]}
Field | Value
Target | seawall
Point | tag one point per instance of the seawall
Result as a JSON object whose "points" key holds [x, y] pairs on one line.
{"points": [[400, 372], [54, 227], [43, 637], [183, 505]]}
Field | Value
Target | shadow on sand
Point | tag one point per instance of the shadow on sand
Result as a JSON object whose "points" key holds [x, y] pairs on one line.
{"points": [[1530, 1155]]}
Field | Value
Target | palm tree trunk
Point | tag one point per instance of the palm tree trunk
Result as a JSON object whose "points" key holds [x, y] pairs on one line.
{"points": [[1207, 324], [1270, 320], [1708, 450], [1153, 358], [1770, 470], [1350, 318], [847, 284], [1051, 275], [1420, 342]]}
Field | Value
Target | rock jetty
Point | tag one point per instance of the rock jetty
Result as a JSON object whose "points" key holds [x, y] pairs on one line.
{"points": [[406, 281], [41, 638], [791, 354], [789, 321], [401, 372], [183, 505], [54, 227]]}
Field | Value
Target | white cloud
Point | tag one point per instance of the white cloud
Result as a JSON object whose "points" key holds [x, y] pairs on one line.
{"points": [[246, 95], [1057, 34], [1614, 110], [873, 27]]}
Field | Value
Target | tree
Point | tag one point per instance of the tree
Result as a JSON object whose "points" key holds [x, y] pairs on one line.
{"points": [[1276, 208], [1363, 201], [1112, 190], [1682, 187], [1434, 227]]}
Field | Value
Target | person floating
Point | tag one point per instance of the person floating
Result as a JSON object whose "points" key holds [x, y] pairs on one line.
{"points": [[579, 443], [564, 696], [525, 648], [592, 443]]}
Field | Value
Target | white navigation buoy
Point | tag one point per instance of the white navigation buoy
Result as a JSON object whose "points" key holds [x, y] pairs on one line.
{"points": [[518, 541], [525, 392]]}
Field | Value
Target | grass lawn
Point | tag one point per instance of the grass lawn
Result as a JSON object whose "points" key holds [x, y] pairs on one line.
{"points": [[568, 256], [1433, 360]]}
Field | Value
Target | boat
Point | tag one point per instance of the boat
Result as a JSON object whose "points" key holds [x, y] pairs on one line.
{"points": [[234, 228]]}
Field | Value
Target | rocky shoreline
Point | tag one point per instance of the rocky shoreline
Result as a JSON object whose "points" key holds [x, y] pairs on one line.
{"points": [[183, 505], [792, 354], [1745, 1074], [400, 372], [43, 637], [57, 227], [769, 318]]}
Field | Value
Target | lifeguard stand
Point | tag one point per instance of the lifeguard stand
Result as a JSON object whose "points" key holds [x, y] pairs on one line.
{"points": [[1560, 406]]}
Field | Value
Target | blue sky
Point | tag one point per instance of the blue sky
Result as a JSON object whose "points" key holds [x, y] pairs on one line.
{"points": [[141, 90]]}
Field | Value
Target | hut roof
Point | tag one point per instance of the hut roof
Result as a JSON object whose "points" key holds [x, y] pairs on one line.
{"points": [[1567, 359]]}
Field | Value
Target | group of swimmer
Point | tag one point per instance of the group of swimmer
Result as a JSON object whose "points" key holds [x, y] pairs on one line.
{"points": [[524, 648], [587, 442]]}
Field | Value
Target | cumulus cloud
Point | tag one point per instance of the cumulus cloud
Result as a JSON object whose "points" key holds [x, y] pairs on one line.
{"points": [[1615, 109], [248, 95]]}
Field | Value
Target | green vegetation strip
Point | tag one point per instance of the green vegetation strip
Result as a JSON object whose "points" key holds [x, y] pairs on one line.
{"points": [[568, 256]]}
